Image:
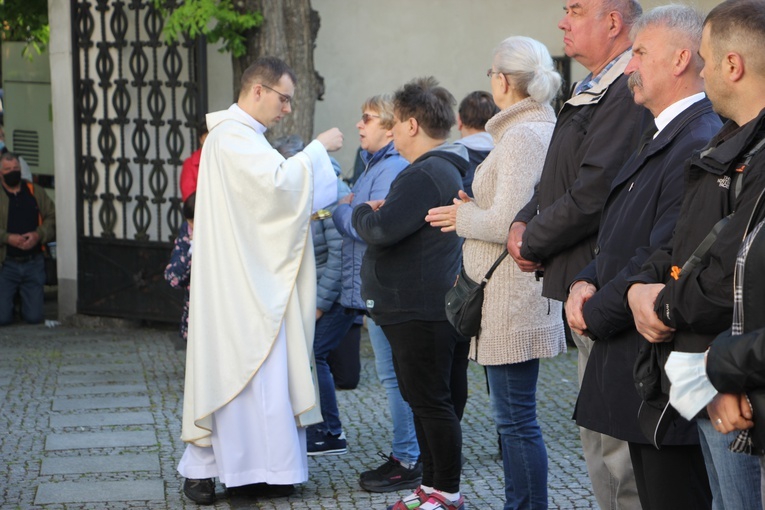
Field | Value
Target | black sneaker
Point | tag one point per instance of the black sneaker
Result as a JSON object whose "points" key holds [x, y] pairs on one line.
{"points": [[201, 492], [391, 476], [323, 443]]}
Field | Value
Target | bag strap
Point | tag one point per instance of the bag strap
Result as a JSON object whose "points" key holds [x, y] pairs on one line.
{"points": [[710, 238], [494, 267]]}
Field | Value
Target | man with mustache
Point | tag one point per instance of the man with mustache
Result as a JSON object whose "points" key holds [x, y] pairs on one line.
{"points": [[639, 217], [27, 222]]}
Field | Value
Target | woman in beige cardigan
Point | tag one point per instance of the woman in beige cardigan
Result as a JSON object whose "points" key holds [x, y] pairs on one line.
{"points": [[518, 325]]}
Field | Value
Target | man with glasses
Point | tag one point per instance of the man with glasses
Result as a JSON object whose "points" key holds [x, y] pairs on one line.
{"points": [[249, 388]]}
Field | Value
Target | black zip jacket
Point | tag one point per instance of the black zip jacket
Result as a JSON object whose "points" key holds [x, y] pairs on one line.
{"points": [[699, 304], [409, 265]]}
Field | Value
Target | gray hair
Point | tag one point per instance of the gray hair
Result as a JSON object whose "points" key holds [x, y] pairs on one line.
{"points": [[683, 20], [630, 10], [530, 66], [288, 145]]}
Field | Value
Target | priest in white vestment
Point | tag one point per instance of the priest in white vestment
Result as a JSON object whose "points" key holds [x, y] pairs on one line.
{"points": [[249, 388]]}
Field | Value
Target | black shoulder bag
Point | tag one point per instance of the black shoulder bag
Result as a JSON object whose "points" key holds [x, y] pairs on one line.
{"points": [[465, 300]]}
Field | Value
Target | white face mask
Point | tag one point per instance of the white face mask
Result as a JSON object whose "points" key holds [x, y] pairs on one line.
{"points": [[691, 390]]}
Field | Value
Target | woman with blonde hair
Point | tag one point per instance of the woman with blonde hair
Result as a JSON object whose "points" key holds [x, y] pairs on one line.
{"points": [[518, 325]]}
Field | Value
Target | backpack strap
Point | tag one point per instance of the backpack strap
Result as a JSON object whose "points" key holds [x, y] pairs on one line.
{"points": [[710, 238]]}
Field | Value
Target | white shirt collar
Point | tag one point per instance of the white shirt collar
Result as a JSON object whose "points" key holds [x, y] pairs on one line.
{"points": [[257, 126], [675, 109]]}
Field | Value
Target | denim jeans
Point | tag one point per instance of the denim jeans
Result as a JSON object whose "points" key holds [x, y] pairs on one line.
{"points": [[513, 390], [28, 279], [733, 477], [423, 357], [405, 447], [330, 330]]}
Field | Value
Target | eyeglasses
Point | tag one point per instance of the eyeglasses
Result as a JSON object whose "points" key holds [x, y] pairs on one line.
{"points": [[366, 117], [284, 98], [491, 73]]}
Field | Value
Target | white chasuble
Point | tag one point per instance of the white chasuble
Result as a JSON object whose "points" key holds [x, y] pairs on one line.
{"points": [[253, 282]]}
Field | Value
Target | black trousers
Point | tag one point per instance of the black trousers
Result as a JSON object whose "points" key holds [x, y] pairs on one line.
{"points": [[433, 380], [673, 478]]}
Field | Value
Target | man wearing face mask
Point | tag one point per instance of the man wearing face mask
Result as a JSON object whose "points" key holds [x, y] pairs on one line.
{"points": [[27, 222]]}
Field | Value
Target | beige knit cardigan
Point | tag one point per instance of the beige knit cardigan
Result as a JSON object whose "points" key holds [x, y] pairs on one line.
{"points": [[518, 324]]}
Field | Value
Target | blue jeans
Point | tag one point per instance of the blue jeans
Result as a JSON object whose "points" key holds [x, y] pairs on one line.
{"points": [[330, 330], [733, 477], [513, 390], [405, 447], [28, 279]]}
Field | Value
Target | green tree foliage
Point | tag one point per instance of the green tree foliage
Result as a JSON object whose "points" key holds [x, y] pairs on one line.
{"points": [[26, 21], [215, 19]]}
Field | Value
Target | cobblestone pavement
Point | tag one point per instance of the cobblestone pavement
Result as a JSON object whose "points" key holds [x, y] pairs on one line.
{"points": [[91, 420]]}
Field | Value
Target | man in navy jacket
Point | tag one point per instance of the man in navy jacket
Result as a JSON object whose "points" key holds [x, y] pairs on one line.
{"points": [[638, 218]]}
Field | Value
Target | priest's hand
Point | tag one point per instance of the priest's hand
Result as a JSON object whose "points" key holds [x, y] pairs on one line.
{"points": [[331, 139]]}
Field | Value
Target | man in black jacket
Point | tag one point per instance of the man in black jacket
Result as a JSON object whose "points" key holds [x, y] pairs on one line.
{"points": [[689, 304], [639, 218], [407, 269], [597, 130]]}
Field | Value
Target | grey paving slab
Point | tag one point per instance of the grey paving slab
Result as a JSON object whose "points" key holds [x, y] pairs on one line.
{"points": [[100, 464], [92, 492], [34, 358], [101, 419], [103, 367], [71, 441], [97, 389], [101, 378], [69, 404]]}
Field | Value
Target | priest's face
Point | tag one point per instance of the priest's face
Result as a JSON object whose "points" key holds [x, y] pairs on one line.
{"points": [[276, 101]]}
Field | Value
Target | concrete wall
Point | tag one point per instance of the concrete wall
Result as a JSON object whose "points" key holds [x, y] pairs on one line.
{"points": [[62, 95], [369, 47]]}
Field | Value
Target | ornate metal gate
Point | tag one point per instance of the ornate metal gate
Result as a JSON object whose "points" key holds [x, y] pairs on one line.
{"points": [[139, 102]]}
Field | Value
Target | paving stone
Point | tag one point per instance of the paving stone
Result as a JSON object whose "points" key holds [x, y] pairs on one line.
{"points": [[99, 464], [91, 492], [103, 367], [35, 449], [121, 377], [73, 440], [100, 389], [71, 404], [100, 419]]}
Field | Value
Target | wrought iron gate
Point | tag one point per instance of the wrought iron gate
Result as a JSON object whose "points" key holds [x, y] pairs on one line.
{"points": [[138, 103]]}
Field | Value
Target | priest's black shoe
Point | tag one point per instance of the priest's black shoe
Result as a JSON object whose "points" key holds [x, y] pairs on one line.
{"points": [[260, 490], [201, 492]]}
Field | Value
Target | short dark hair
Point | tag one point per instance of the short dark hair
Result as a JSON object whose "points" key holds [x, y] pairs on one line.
{"points": [[202, 129], [738, 25], [9, 156], [265, 70], [189, 205], [427, 102], [476, 109]]}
